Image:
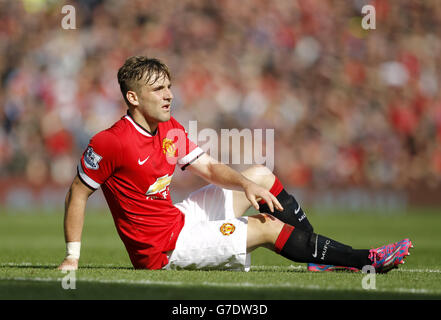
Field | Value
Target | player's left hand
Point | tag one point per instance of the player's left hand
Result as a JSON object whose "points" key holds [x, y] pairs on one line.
{"points": [[255, 193]]}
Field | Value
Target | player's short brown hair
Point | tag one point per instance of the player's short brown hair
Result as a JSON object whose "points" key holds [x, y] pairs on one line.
{"points": [[139, 68]]}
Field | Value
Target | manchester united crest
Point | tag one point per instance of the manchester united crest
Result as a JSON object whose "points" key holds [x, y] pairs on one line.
{"points": [[227, 228], [168, 147]]}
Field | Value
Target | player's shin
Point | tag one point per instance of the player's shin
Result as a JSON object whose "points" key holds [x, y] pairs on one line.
{"points": [[292, 214], [302, 246]]}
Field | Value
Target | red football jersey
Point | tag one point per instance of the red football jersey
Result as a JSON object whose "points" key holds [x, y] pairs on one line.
{"points": [[134, 169]]}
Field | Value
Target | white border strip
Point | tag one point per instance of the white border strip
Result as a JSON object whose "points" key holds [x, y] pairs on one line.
{"points": [[86, 178]]}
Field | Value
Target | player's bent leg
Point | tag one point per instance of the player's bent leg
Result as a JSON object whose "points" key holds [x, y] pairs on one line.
{"points": [[301, 246], [260, 175], [263, 231], [292, 213]]}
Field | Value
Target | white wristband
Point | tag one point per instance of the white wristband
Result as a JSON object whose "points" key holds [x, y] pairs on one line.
{"points": [[73, 250]]}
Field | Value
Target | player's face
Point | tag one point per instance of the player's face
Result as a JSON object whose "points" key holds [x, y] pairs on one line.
{"points": [[155, 100]]}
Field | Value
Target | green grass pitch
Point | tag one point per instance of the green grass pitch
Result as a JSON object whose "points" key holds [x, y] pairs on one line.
{"points": [[32, 245]]}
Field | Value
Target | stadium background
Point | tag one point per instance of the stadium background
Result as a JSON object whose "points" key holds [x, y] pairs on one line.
{"points": [[356, 113], [356, 117]]}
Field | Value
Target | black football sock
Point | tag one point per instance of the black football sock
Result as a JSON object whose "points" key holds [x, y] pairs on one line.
{"points": [[292, 213], [301, 246]]}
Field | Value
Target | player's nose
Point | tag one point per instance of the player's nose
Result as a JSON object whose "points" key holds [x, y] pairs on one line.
{"points": [[168, 95]]}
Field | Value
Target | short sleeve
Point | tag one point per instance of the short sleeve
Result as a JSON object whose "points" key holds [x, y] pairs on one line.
{"points": [[194, 153], [99, 160], [188, 151]]}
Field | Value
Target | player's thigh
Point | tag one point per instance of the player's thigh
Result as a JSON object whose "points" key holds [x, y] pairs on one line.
{"points": [[212, 245], [208, 203]]}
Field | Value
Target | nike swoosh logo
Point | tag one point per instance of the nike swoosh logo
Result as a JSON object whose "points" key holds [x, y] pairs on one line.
{"points": [[315, 252], [142, 162], [297, 210]]}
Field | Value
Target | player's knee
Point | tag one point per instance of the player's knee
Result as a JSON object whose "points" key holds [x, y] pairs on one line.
{"points": [[261, 175], [265, 227]]}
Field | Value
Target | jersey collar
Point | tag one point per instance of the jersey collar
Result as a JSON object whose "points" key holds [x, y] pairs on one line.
{"points": [[139, 128]]}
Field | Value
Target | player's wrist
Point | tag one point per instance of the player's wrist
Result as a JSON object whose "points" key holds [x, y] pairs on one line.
{"points": [[247, 185], [73, 249]]}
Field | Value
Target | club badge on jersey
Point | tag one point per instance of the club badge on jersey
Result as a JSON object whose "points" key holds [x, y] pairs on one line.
{"points": [[91, 159], [169, 148]]}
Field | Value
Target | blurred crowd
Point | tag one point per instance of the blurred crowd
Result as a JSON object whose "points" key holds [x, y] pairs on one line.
{"points": [[349, 107]]}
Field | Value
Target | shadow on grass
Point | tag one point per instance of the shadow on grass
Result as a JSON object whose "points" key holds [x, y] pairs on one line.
{"points": [[287, 270], [52, 290], [54, 266]]}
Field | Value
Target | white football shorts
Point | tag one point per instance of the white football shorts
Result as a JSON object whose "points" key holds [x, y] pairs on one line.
{"points": [[212, 237]]}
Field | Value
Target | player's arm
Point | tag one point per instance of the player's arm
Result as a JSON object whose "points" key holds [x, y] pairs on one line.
{"points": [[222, 175], [75, 205]]}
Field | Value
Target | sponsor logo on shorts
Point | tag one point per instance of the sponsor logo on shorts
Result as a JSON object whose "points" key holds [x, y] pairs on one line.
{"points": [[227, 229]]}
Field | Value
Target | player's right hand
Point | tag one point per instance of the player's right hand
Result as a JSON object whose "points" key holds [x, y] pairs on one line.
{"points": [[68, 264]]}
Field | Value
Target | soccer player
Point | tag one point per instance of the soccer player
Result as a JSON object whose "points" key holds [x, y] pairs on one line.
{"points": [[133, 163]]}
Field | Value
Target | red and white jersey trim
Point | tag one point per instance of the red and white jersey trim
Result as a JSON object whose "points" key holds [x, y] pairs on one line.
{"points": [[193, 155], [137, 127], [86, 178]]}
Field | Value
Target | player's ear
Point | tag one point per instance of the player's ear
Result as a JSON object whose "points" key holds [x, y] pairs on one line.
{"points": [[132, 97]]}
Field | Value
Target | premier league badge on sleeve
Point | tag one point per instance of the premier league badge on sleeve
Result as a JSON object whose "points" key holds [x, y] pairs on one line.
{"points": [[91, 159]]}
